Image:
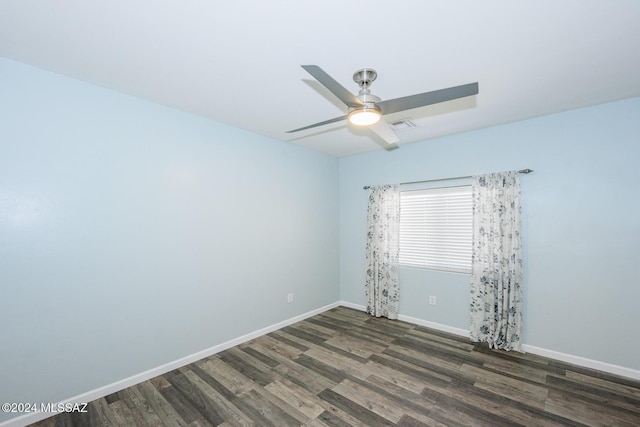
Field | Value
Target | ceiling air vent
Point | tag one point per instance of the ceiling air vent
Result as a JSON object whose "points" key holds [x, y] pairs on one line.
{"points": [[401, 125]]}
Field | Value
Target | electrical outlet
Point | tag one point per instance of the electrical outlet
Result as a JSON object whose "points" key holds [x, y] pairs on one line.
{"points": [[432, 300], [289, 298]]}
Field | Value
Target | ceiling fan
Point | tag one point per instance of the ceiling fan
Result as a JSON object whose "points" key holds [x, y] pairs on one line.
{"points": [[366, 109]]}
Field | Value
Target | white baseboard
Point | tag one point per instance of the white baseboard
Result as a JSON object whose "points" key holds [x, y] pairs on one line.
{"points": [[434, 325], [89, 396], [352, 305], [556, 355], [414, 320], [584, 362]]}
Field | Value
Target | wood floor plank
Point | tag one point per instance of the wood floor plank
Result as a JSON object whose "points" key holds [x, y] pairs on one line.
{"points": [[367, 398], [415, 405], [183, 406], [565, 367], [272, 353], [263, 412], [429, 335], [354, 331], [359, 347], [260, 356], [287, 340], [216, 403], [213, 379], [537, 374], [577, 409], [335, 417], [316, 423], [523, 359], [321, 369], [229, 380], [350, 407], [462, 412], [167, 413], [338, 361], [278, 346], [303, 336], [326, 345], [395, 328], [140, 407], [291, 410], [181, 380], [431, 376], [305, 401], [93, 418], [431, 367], [247, 365], [613, 385], [398, 377], [427, 360], [508, 387], [315, 329], [514, 410], [305, 377], [409, 421], [344, 368], [132, 410], [597, 395], [296, 372], [122, 414], [65, 420], [452, 416], [158, 382], [441, 351]]}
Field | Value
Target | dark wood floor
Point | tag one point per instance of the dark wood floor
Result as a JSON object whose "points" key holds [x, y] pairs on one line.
{"points": [[345, 368]]}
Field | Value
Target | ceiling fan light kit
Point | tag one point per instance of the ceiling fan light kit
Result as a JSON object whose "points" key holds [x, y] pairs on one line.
{"points": [[366, 109], [365, 116]]}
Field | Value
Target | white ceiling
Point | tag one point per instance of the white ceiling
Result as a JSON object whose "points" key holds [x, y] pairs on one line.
{"points": [[238, 62]]}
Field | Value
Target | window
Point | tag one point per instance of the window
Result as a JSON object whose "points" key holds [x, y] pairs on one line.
{"points": [[436, 228]]}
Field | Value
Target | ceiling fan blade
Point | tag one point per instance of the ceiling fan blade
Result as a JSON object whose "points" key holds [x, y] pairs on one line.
{"points": [[326, 122], [334, 87], [384, 131], [428, 98]]}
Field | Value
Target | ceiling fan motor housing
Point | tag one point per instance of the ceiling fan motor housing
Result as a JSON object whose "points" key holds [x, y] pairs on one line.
{"points": [[364, 78]]}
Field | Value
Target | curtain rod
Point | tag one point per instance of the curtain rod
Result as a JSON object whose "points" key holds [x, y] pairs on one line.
{"points": [[525, 171]]}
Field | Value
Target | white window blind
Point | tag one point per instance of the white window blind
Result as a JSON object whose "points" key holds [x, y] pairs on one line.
{"points": [[436, 228]]}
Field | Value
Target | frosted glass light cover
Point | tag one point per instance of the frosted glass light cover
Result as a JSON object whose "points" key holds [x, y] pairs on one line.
{"points": [[364, 117]]}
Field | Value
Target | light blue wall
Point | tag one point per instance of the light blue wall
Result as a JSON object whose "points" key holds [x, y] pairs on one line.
{"points": [[132, 235], [581, 213]]}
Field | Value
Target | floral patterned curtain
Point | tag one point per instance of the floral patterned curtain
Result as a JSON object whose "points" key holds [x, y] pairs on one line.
{"points": [[496, 272], [382, 251]]}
